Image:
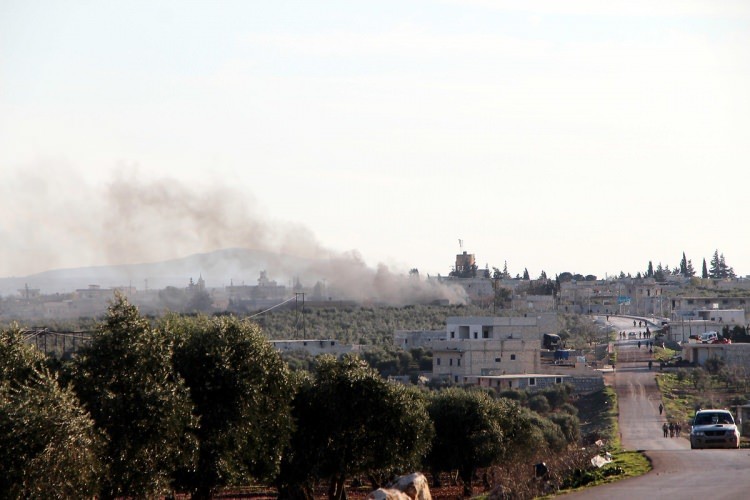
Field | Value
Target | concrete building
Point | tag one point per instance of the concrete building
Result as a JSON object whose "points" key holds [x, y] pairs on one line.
{"points": [[703, 307], [734, 355], [533, 303], [505, 352], [414, 339], [316, 347]]}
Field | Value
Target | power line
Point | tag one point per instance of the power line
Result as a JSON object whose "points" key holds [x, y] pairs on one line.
{"points": [[273, 307]]}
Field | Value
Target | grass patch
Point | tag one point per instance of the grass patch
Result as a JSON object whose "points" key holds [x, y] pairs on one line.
{"points": [[663, 354]]}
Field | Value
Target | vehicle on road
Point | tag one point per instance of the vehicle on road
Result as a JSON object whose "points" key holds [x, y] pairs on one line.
{"points": [[709, 337], [714, 429]]}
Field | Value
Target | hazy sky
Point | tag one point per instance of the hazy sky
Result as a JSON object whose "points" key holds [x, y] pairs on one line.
{"points": [[580, 136]]}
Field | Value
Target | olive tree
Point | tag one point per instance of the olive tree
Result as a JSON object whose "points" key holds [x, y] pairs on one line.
{"points": [[126, 380], [242, 392], [350, 421], [473, 430], [48, 443]]}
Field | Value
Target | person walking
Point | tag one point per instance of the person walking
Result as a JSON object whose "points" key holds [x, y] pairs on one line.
{"points": [[661, 408], [671, 429], [665, 428]]}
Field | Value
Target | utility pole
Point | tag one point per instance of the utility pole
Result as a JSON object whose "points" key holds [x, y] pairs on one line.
{"points": [[296, 304]]}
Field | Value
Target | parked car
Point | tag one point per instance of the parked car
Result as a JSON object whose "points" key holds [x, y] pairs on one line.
{"points": [[714, 429], [709, 337]]}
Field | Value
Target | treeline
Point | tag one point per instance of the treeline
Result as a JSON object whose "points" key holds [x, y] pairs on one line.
{"points": [[358, 324], [195, 405], [718, 269]]}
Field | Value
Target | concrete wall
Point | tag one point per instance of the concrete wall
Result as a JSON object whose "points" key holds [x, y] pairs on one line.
{"points": [[732, 354]]}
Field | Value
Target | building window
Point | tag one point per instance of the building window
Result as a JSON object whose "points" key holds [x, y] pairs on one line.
{"points": [[333, 342], [458, 362], [485, 334], [438, 361], [512, 357], [532, 381], [453, 335], [497, 360], [450, 362], [558, 380], [475, 335]]}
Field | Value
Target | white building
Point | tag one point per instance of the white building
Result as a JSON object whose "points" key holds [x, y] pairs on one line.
{"points": [[315, 347], [475, 346], [505, 352]]}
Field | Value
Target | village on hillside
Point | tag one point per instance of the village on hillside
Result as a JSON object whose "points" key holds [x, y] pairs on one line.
{"points": [[514, 343]]}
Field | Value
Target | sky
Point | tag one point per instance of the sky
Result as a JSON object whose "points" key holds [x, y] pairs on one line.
{"points": [[579, 136]]}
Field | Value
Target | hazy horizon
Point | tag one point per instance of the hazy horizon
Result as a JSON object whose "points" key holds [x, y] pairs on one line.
{"points": [[581, 137]]}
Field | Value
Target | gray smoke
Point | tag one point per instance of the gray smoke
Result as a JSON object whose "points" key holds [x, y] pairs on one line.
{"points": [[131, 221]]}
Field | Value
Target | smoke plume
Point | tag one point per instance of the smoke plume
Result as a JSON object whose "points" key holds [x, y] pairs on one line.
{"points": [[69, 222]]}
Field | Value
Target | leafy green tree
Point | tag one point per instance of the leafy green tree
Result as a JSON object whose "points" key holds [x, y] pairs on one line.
{"points": [[715, 270], [726, 270], [557, 395], [690, 270], [48, 443], [526, 274], [126, 381], [544, 433], [699, 377], [472, 430], [661, 272], [564, 277], [719, 268], [569, 425], [683, 265], [351, 421], [242, 393], [714, 365], [539, 404]]}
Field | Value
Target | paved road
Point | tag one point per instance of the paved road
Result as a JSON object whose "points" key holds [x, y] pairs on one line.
{"points": [[679, 473]]}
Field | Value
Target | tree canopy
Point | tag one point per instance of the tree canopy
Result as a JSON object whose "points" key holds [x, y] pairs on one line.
{"points": [[126, 381], [352, 421], [472, 430], [49, 447], [242, 392]]}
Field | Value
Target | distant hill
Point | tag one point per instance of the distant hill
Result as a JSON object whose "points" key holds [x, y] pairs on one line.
{"points": [[218, 268], [343, 276]]}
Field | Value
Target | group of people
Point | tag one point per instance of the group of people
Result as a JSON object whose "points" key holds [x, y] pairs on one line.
{"points": [[641, 335], [672, 429]]}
